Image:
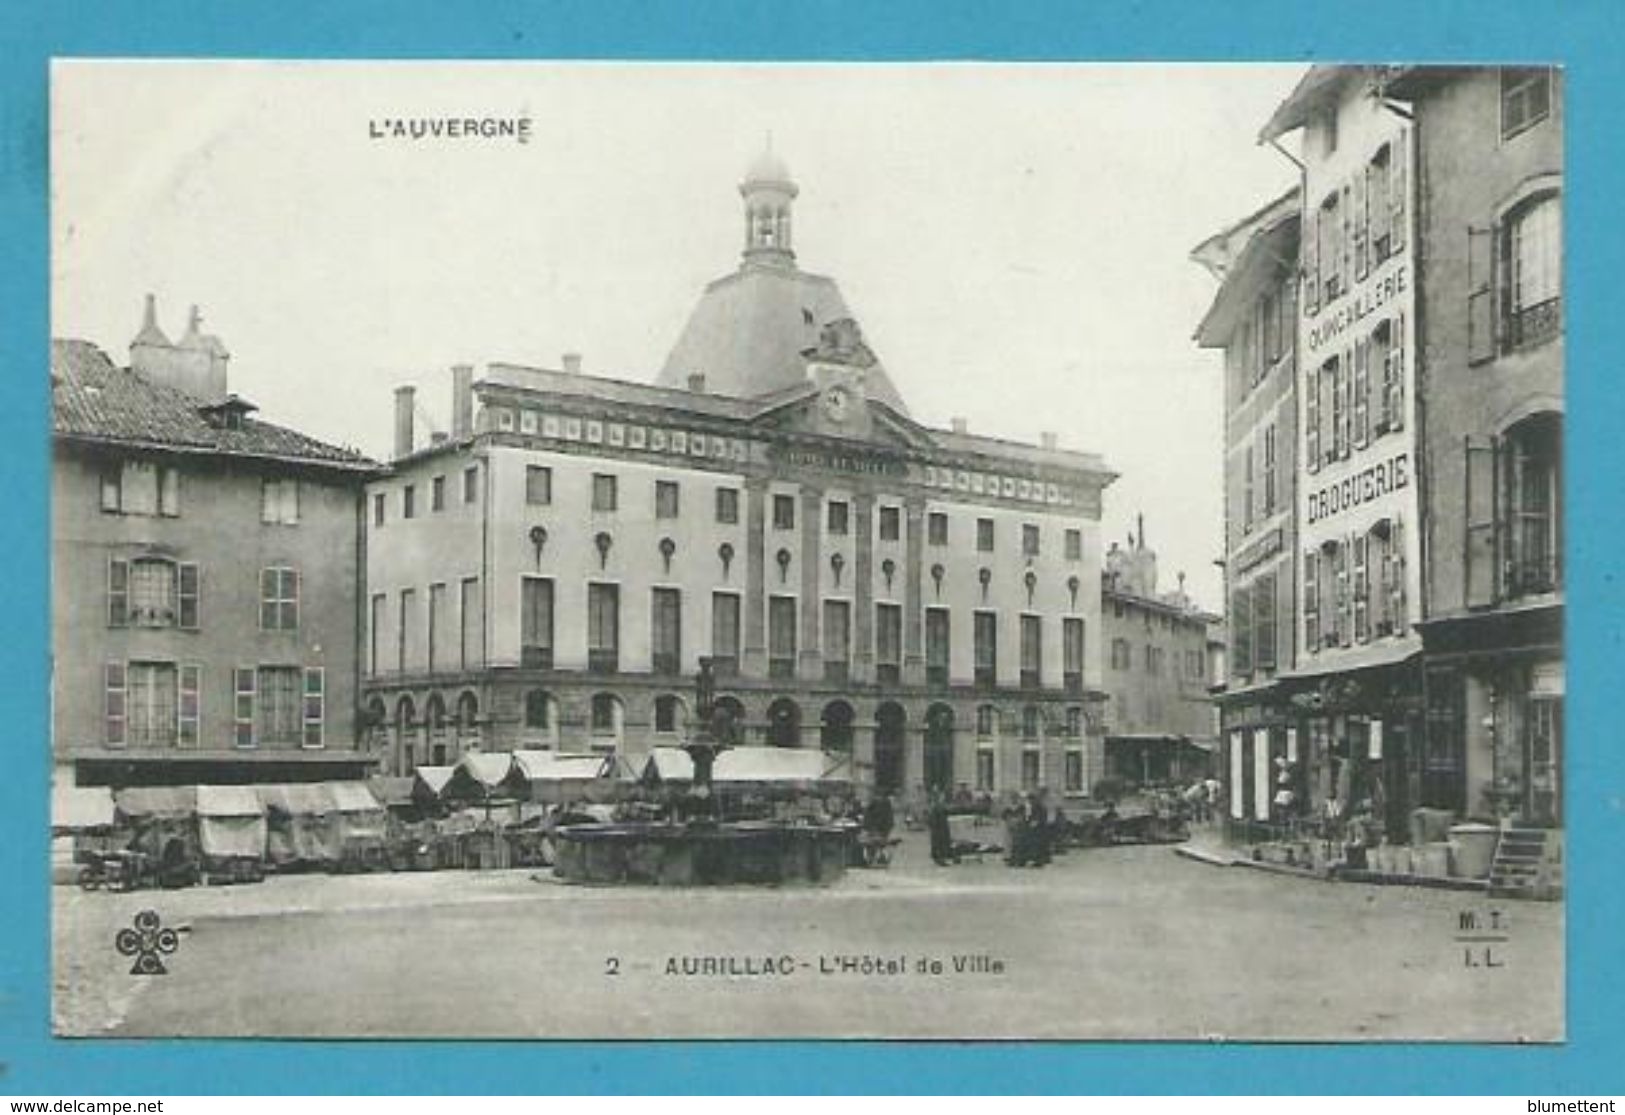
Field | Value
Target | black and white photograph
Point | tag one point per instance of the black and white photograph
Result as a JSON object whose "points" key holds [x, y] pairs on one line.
{"points": [[950, 551]]}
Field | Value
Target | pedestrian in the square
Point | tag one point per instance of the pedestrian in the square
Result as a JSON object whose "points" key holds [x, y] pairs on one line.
{"points": [[942, 841]]}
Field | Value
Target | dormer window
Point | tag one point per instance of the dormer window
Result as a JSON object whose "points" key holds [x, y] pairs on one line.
{"points": [[227, 414]]}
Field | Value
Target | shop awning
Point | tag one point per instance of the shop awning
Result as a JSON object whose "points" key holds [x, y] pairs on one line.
{"points": [[669, 764], [431, 781], [1369, 657], [556, 766], [228, 801], [298, 799], [157, 801], [353, 797], [81, 807], [392, 789]]}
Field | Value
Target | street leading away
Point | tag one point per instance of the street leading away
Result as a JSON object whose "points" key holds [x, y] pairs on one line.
{"points": [[1106, 943]]}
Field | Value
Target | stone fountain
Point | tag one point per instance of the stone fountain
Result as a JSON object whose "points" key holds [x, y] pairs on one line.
{"points": [[697, 844]]}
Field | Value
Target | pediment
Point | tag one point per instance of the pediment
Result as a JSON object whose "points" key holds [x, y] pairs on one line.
{"points": [[866, 421]]}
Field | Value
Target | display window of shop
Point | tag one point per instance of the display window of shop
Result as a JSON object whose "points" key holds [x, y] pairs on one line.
{"points": [[1543, 751], [1444, 745]]}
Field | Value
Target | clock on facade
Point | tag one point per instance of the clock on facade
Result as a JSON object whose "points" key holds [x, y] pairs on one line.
{"points": [[837, 404]]}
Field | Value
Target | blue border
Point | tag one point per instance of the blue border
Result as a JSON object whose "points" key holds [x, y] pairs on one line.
{"points": [[1585, 36]]}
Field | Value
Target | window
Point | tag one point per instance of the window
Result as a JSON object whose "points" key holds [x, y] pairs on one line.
{"points": [[987, 722], [603, 492], [471, 484], [837, 516], [1029, 539], [603, 628], [1241, 631], [242, 712], [279, 599], [1029, 722], [539, 487], [984, 536], [985, 647], [1334, 378], [781, 636], [404, 649], [1533, 460], [437, 626], [279, 501], [606, 715], [665, 499], [378, 510], [1072, 654], [409, 497], [837, 640], [891, 524], [727, 505], [936, 529], [667, 624], [1526, 99], [1334, 624], [1378, 181], [538, 711], [279, 711], [888, 644], [1247, 490], [1535, 286], [1120, 654], [1311, 419], [1262, 599], [315, 705], [1386, 356], [985, 766], [1074, 544], [1269, 469], [141, 488], [190, 712], [667, 714], [1032, 651], [152, 592], [1074, 723], [1029, 769], [437, 494], [150, 704], [1074, 772], [1328, 132], [115, 708], [937, 647], [784, 512], [725, 633], [536, 623], [469, 629], [1153, 661], [375, 624], [1329, 248], [1311, 600]]}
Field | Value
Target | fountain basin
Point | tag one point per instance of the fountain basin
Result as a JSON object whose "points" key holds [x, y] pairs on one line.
{"points": [[686, 855]]}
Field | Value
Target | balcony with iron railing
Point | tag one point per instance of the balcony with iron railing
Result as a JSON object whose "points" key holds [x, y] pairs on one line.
{"points": [[1528, 326], [1533, 575]]}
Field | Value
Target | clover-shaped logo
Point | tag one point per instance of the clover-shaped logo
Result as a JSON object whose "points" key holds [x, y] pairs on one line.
{"points": [[147, 941]]}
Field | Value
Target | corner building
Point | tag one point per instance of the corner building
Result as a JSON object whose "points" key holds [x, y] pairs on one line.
{"points": [[205, 577], [1490, 149], [1254, 320], [550, 573]]}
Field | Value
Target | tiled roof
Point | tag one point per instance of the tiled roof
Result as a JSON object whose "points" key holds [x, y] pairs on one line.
{"points": [[93, 400]]}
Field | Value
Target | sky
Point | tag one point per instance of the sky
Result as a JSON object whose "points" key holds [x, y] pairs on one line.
{"points": [[1014, 240]]}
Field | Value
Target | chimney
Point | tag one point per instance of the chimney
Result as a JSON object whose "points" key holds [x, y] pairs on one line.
{"points": [[959, 425], [1140, 520], [196, 364], [1048, 439], [404, 402], [572, 363], [696, 382], [462, 401]]}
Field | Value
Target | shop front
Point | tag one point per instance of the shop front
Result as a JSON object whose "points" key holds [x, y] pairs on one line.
{"points": [[1495, 716]]}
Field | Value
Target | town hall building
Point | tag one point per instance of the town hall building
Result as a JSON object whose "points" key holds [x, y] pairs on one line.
{"points": [[550, 572]]}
